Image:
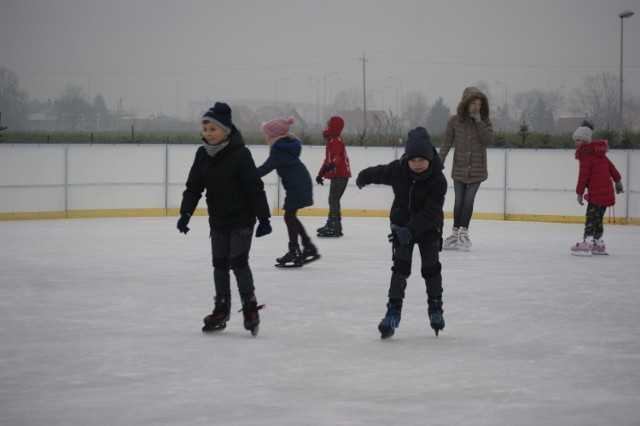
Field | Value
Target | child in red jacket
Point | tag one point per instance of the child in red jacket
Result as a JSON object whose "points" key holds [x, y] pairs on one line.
{"points": [[335, 167], [595, 175]]}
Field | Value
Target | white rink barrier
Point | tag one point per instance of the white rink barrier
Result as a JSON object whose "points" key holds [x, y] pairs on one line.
{"points": [[103, 180]]}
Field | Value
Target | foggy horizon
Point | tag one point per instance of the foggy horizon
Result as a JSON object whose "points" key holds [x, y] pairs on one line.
{"points": [[158, 56]]}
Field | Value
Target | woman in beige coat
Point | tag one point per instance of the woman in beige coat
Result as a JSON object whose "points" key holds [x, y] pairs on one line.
{"points": [[469, 131]]}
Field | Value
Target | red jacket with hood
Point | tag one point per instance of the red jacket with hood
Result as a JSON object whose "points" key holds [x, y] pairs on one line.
{"points": [[596, 173], [335, 151]]}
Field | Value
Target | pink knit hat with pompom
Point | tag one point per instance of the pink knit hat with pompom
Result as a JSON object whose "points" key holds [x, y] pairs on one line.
{"points": [[277, 128]]}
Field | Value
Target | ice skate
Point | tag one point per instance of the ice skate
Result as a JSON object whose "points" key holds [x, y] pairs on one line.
{"points": [[583, 248], [309, 253], [251, 316], [451, 242], [599, 248], [391, 321], [436, 319], [464, 243], [292, 259], [333, 228], [217, 320]]}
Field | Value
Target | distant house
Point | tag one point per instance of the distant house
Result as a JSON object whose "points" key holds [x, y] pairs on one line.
{"points": [[44, 121], [568, 124], [266, 113], [354, 119]]}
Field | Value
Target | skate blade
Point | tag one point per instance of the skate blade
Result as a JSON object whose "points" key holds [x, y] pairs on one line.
{"points": [[311, 259], [207, 329], [581, 253], [330, 235], [255, 330], [602, 253], [287, 265]]}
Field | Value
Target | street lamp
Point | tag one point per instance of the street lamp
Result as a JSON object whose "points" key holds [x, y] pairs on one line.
{"points": [[331, 91], [401, 94], [396, 89], [324, 94], [278, 82], [622, 15], [506, 101], [317, 80]]}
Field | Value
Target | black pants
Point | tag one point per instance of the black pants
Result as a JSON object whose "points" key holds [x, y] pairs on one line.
{"points": [[295, 228], [593, 226], [463, 205], [336, 190], [430, 269], [230, 251]]}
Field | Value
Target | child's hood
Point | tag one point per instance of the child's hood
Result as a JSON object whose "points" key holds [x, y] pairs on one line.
{"points": [[288, 143], [334, 127], [597, 148]]}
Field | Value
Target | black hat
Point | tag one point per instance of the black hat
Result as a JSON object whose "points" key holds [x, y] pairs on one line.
{"points": [[418, 145], [219, 115]]}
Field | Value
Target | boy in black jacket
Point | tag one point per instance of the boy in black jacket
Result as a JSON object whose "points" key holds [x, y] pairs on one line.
{"points": [[417, 217]]}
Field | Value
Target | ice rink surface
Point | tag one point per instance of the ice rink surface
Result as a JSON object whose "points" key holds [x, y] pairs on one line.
{"points": [[100, 325]]}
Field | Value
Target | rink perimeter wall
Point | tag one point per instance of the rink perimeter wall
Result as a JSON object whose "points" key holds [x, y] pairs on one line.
{"points": [[45, 181]]}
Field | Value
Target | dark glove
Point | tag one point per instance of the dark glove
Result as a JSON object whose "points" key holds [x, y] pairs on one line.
{"points": [[320, 180], [183, 222], [619, 188], [580, 200], [401, 233], [329, 167], [360, 183], [264, 228]]}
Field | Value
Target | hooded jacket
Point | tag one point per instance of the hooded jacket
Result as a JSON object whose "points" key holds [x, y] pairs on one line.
{"points": [[335, 151], [596, 173], [284, 157], [418, 198], [469, 139], [235, 193]]}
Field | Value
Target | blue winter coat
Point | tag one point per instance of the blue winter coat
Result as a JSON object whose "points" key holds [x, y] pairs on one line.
{"points": [[284, 157]]}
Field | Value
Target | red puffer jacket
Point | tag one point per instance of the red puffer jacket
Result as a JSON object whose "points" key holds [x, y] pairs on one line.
{"points": [[596, 173], [335, 152]]}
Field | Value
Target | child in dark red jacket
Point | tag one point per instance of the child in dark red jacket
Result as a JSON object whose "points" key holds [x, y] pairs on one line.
{"points": [[336, 168], [595, 175], [417, 217]]}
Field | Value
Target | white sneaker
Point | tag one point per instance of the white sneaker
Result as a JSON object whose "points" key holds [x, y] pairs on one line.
{"points": [[464, 243], [451, 242]]}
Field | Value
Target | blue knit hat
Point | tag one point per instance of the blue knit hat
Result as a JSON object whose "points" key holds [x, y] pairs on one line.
{"points": [[220, 115], [418, 145]]}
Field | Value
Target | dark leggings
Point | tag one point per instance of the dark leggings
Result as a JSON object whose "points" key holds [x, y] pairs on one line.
{"points": [[294, 228], [463, 206], [230, 251], [593, 226]]}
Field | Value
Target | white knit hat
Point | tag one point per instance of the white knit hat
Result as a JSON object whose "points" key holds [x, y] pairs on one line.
{"points": [[582, 133]]}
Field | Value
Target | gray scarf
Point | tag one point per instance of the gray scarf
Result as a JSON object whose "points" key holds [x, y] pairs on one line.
{"points": [[212, 150]]}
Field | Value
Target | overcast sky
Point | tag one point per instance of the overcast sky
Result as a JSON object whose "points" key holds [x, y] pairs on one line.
{"points": [[158, 55]]}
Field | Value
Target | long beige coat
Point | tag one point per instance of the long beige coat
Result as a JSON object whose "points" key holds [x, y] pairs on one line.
{"points": [[469, 139]]}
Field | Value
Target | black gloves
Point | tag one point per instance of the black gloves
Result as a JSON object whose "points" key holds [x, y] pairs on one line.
{"points": [[619, 188], [329, 167], [580, 200], [360, 183], [264, 228], [401, 233], [320, 180], [183, 222]]}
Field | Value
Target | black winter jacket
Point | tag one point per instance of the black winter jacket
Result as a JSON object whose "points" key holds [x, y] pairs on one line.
{"points": [[284, 156], [235, 193], [418, 199]]}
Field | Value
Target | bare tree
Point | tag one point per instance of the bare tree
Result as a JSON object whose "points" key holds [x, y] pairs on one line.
{"points": [[597, 98], [416, 109], [13, 100]]}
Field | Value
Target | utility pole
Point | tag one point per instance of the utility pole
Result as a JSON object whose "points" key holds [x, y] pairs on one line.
{"points": [[364, 89]]}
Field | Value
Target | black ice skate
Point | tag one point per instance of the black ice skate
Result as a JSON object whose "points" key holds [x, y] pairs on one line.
{"points": [[333, 228], [249, 311], [217, 320], [391, 320], [293, 259], [435, 315], [309, 253]]}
